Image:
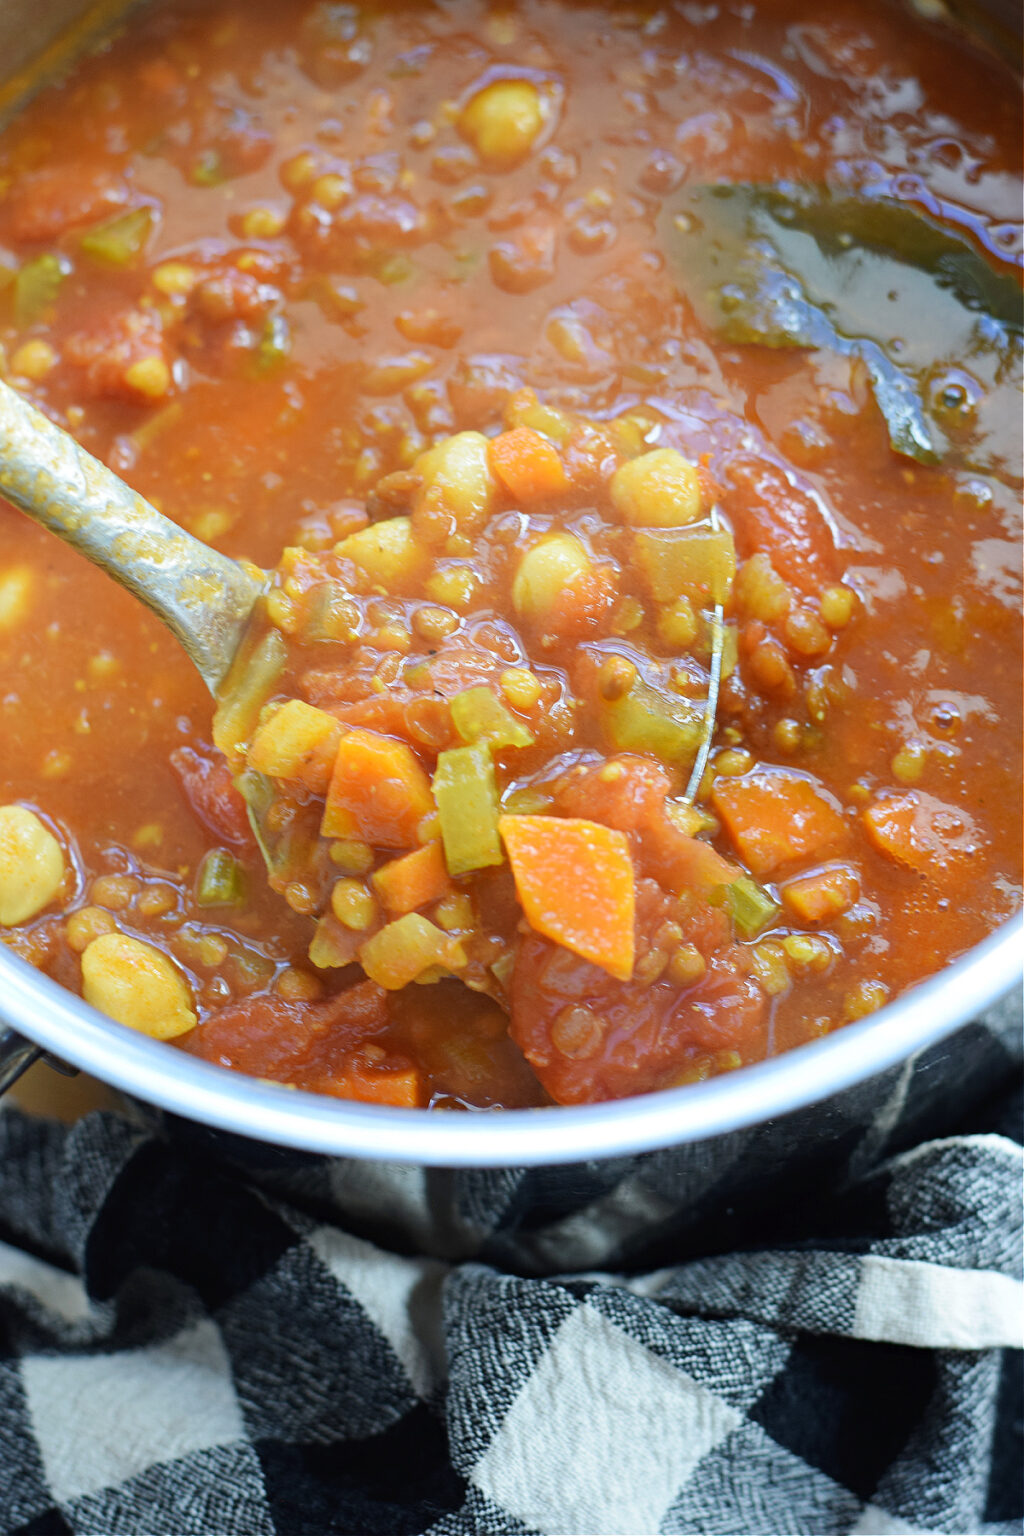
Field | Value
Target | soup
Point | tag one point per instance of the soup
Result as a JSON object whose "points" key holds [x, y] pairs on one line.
{"points": [[625, 400]]}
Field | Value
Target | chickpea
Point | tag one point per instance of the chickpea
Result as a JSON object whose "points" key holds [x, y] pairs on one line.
{"points": [[546, 569], [297, 986], [174, 279], [387, 552], [34, 360], [354, 858], [521, 687], [31, 865], [263, 223], [86, 924], [503, 121], [837, 605], [149, 376], [15, 596], [660, 489], [457, 485], [454, 585], [352, 904], [138, 986], [909, 763]]}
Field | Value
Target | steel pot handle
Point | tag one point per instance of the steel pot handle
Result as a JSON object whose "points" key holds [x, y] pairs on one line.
{"points": [[18, 1054]]}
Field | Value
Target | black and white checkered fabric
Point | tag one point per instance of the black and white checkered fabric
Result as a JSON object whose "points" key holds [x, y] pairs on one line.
{"points": [[184, 1352]]}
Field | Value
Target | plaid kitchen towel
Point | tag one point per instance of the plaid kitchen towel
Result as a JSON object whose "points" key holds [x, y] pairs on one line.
{"points": [[187, 1350]]}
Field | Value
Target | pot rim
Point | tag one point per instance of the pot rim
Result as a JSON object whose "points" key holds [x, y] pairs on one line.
{"points": [[62, 1024]]}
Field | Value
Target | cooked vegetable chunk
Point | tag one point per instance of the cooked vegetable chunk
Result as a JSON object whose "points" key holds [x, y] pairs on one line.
{"points": [[297, 742], [921, 832], [378, 792], [31, 865], [575, 881], [503, 120], [414, 880], [660, 489], [405, 949], [776, 818], [137, 985], [466, 793]]}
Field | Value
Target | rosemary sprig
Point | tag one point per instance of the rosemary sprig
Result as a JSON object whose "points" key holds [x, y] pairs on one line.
{"points": [[714, 684]]}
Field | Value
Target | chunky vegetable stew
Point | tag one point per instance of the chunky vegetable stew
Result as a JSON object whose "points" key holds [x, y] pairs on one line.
{"points": [[625, 400]]}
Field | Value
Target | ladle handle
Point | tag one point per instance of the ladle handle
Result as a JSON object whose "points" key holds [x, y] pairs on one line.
{"points": [[203, 597]]}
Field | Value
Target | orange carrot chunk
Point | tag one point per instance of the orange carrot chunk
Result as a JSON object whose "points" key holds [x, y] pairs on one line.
{"points": [[775, 818], [527, 464], [920, 832], [378, 792], [574, 880], [387, 1084], [414, 880], [825, 894]]}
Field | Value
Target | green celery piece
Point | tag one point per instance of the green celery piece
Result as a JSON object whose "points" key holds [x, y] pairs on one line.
{"points": [[36, 287], [221, 880], [251, 683], [785, 266], [466, 794], [120, 241], [332, 614], [478, 716], [698, 563], [208, 169], [750, 907], [649, 721], [273, 346]]}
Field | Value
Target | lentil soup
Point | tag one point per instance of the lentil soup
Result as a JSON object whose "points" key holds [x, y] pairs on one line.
{"points": [[625, 400]]}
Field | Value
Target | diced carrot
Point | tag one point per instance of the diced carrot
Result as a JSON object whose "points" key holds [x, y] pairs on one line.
{"points": [[401, 1086], [527, 464], [920, 832], [684, 863], [414, 880], [297, 742], [825, 894], [575, 883], [378, 792], [777, 817]]}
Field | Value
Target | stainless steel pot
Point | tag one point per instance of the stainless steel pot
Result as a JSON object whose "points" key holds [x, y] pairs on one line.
{"points": [[747, 1131]]}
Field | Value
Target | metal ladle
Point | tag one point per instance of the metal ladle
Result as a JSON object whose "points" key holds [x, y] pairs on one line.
{"points": [[204, 598]]}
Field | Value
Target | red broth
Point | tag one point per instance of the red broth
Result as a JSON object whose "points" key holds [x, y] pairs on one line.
{"points": [[260, 260]]}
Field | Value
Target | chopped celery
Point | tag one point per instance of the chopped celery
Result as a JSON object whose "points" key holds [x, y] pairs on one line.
{"points": [[331, 614], [388, 267], [221, 880], [467, 804], [254, 675], [648, 721], [478, 716], [274, 344], [698, 563], [208, 169], [36, 287], [119, 241], [750, 907]]}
